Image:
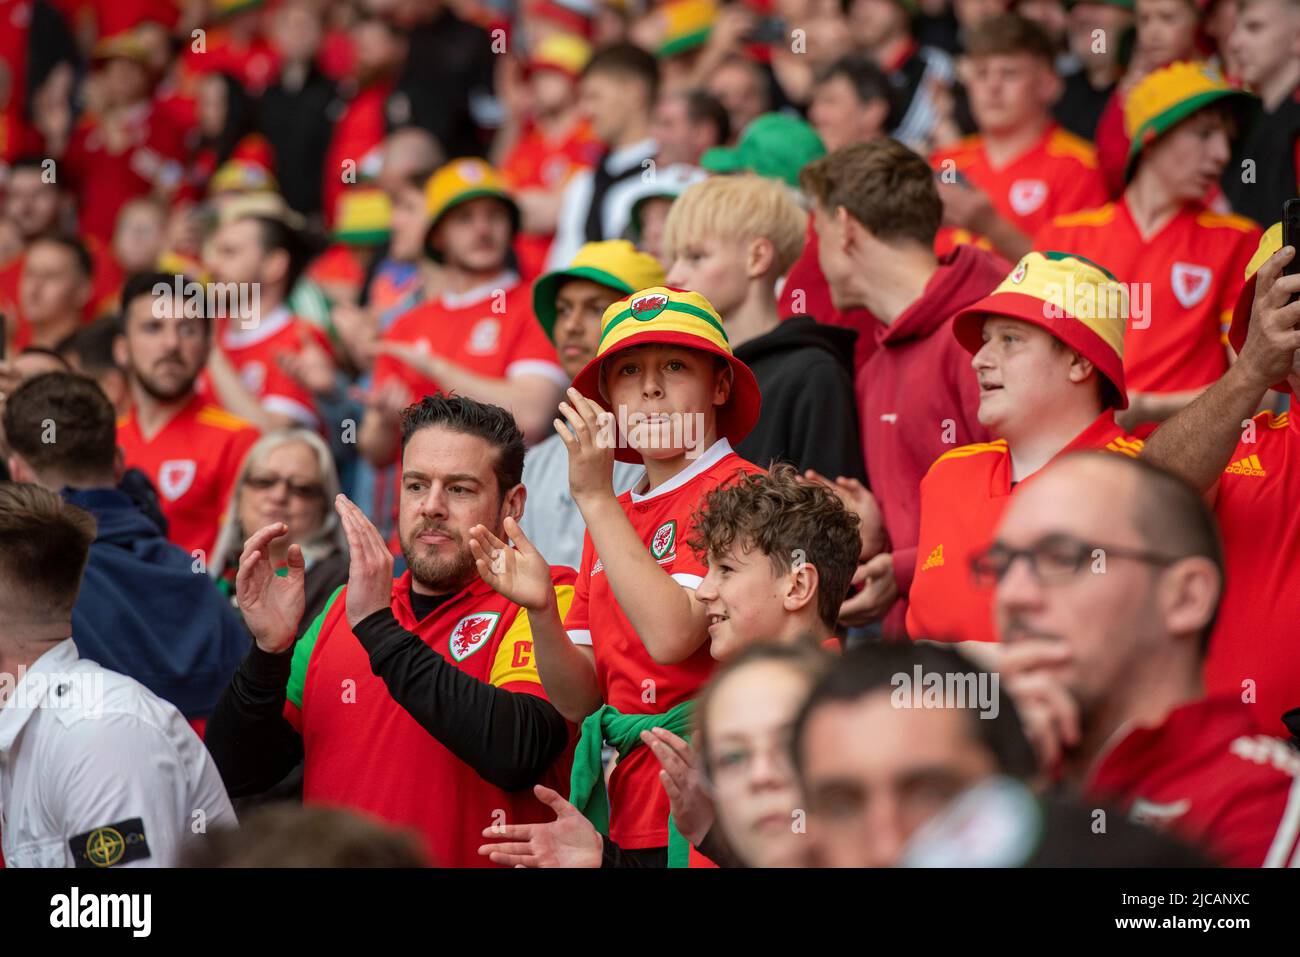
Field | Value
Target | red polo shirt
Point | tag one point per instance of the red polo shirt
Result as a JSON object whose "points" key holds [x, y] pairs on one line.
{"points": [[1206, 776], [963, 497]]}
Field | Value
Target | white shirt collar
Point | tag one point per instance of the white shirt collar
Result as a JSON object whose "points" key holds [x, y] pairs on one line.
{"points": [[631, 155], [715, 454], [14, 718], [233, 336], [506, 280]]}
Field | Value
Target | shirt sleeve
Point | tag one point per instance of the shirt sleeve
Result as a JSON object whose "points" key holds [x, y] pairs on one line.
{"points": [[122, 773], [513, 667], [577, 622], [532, 352]]}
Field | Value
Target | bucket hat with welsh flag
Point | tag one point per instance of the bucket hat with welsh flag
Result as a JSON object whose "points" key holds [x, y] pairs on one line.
{"points": [[677, 317]]}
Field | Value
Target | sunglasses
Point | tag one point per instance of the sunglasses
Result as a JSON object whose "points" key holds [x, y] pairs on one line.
{"points": [[264, 483]]}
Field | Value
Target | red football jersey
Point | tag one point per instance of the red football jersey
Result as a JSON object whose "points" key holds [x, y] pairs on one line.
{"points": [[629, 678], [1253, 651], [1207, 777], [253, 353], [1056, 175], [963, 497], [193, 462], [1184, 280], [345, 712]]}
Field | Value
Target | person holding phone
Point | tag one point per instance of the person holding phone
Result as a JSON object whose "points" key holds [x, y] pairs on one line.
{"points": [[1248, 466]]}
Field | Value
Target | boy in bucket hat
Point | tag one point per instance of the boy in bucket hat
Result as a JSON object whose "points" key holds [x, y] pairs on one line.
{"points": [[663, 389], [1047, 346], [569, 304], [1248, 466], [1182, 261]]}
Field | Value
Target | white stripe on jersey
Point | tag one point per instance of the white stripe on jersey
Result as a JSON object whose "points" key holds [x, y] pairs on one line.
{"points": [[1285, 838]]}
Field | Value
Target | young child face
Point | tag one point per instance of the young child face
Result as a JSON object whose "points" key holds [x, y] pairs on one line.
{"points": [[744, 596], [667, 396]]}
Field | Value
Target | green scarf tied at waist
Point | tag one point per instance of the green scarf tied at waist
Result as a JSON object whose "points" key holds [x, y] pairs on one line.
{"points": [[623, 732]]}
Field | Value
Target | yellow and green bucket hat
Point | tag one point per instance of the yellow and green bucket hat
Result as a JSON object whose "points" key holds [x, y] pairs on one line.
{"points": [[458, 182], [1166, 97], [678, 317], [615, 263], [364, 217], [1072, 298]]}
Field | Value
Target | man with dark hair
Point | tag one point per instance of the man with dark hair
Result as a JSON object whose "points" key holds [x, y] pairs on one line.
{"points": [[685, 124], [56, 285], [852, 102], [1104, 627], [881, 29], [96, 771], [743, 88], [891, 735], [442, 723], [616, 93], [89, 351], [1021, 169], [142, 610], [189, 448], [876, 211], [255, 261]]}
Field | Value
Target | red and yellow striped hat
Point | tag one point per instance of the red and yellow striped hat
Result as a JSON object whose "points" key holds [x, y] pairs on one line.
{"points": [[1074, 299], [1269, 244], [676, 317]]}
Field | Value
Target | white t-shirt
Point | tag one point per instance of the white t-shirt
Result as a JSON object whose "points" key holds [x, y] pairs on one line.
{"points": [[97, 771]]}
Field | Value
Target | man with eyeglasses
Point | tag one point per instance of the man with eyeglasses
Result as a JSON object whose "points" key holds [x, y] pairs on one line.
{"points": [[1108, 575], [1047, 347]]}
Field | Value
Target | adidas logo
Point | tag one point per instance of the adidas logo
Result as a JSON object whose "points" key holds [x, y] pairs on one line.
{"points": [[935, 559], [1250, 465]]}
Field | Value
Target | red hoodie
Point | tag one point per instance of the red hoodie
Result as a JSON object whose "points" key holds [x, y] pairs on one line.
{"points": [[918, 398]]}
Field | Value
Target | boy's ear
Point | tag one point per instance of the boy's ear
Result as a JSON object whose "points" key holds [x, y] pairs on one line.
{"points": [[759, 257], [801, 590], [722, 384]]}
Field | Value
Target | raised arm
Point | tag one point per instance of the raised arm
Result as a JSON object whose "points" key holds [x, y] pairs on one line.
{"points": [[1198, 442], [670, 620]]}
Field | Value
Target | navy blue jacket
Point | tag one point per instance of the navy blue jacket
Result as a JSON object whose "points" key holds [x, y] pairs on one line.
{"points": [[144, 612]]}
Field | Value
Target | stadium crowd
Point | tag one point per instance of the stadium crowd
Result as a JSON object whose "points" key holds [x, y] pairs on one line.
{"points": [[649, 433]]}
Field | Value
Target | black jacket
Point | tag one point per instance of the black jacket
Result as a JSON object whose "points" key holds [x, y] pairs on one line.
{"points": [[809, 419], [299, 121]]}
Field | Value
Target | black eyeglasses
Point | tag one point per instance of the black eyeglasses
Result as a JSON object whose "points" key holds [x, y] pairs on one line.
{"points": [[264, 483], [1055, 559]]}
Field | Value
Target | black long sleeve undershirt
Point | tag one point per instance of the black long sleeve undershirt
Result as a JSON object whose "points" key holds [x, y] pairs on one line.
{"points": [[250, 740], [509, 738]]}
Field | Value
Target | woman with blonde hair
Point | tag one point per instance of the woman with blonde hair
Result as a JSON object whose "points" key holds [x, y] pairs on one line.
{"points": [[287, 476]]}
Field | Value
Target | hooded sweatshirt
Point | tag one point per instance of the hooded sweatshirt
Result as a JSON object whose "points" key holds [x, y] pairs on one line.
{"points": [[918, 398], [145, 612], [809, 417]]}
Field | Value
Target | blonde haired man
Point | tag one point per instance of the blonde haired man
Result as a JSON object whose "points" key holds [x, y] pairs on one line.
{"points": [[731, 238]]}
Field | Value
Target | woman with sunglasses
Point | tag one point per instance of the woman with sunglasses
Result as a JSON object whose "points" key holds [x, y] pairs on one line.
{"points": [[287, 476]]}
